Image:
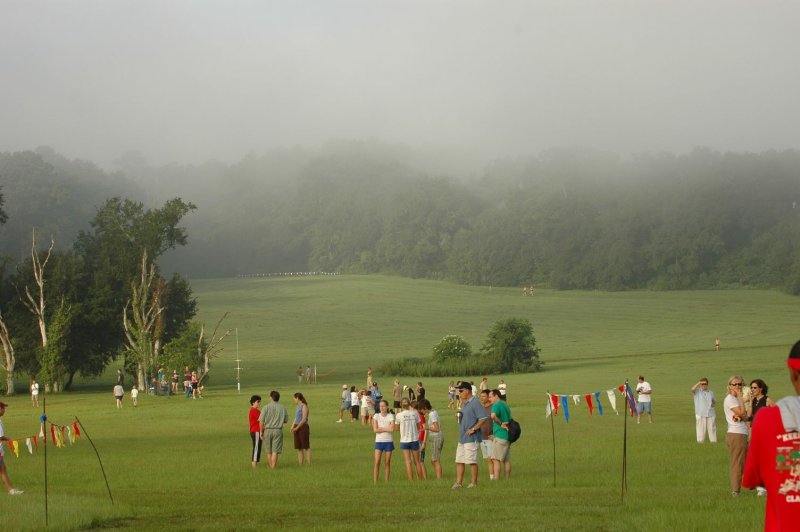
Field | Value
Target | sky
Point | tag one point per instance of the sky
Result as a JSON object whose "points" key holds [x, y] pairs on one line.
{"points": [[190, 81]]}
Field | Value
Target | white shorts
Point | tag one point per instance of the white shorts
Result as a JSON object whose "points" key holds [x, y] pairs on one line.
{"points": [[467, 453]]}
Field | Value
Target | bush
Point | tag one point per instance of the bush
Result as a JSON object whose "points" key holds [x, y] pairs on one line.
{"points": [[451, 347]]}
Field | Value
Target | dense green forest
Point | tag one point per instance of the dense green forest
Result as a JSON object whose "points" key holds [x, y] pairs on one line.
{"points": [[567, 219]]}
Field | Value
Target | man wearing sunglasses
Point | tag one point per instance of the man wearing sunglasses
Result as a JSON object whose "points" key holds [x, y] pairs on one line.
{"points": [[773, 460]]}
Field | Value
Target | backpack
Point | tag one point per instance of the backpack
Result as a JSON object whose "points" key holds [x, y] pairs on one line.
{"points": [[514, 430]]}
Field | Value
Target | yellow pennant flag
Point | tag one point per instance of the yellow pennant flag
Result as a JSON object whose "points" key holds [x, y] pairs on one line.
{"points": [[15, 443]]}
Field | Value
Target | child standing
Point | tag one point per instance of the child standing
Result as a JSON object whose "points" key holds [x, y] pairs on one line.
{"points": [[134, 395], [255, 430]]}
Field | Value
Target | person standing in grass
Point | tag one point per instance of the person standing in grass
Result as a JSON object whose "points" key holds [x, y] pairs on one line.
{"points": [[736, 438], [301, 431], [704, 414], [134, 395], [451, 391], [473, 416], [383, 426], [643, 403], [407, 422], [758, 398], [270, 423], [255, 429], [119, 392], [3, 471], [434, 440], [487, 436], [397, 394], [353, 404], [34, 393], [501, 447], [345, 406], [772, 460]]}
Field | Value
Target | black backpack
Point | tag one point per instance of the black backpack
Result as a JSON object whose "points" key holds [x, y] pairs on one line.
{"points": [[514, 430]]}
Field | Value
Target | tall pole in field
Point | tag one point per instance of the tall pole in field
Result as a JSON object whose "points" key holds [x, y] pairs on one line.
{"points": [[553, 430], [625, 447], [238, 366], [44, 441]]}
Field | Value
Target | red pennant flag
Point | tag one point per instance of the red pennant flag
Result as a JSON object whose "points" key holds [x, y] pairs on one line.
{"points": [[53, 433], [36, 443], [621, 388], [75, 429], [554, 400], [588, 398]]}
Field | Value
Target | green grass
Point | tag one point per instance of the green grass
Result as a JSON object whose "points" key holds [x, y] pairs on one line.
{"points": [[178, 464]]}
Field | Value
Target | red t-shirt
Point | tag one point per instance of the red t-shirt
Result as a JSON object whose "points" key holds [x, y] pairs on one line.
{"points": [[421, 427], [773, 461], [254, 414]]}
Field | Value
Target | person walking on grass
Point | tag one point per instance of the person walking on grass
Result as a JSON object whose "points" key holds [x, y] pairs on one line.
{"points": [[134, 395], [255, 429], [345, 405], [736, 437], [3, 471], [487, 436], [704, 414], [434, 440], [643, 401], [354, 407], [119, 393], [407, 422], [772, 460], [501, 447], [383, 426], [473, 416], [271, 421], [301, 431]]}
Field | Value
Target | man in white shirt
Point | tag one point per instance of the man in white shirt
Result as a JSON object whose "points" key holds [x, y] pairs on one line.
{"points": [[704, 413], [644, 390]]}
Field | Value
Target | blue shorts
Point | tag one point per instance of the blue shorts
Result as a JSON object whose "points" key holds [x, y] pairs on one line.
{"points": [[385, 446], [409, 446], [644, 407]]}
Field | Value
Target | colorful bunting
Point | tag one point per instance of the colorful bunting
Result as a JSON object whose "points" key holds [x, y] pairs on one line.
{"points": [[588, 398], [565, 404], [599, 404], [613, 400]]}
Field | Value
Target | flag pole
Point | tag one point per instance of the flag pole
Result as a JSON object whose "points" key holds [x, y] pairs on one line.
{"points": [[625, 447], [102, 469], [44, 440], [553, 431]]}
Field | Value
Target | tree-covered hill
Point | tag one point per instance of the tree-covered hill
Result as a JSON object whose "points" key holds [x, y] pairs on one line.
{"points": [[566, 218]]}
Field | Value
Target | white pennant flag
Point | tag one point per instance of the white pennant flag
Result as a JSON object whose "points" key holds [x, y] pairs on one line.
{"points": [[576, 399], [29, 445], [549, 408], [613, 400]]}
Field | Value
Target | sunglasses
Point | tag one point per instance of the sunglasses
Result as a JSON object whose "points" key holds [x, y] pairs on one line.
{"points": [[736, 384]]}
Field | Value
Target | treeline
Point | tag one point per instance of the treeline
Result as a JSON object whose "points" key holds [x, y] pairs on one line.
{"points": [[568, 219]]}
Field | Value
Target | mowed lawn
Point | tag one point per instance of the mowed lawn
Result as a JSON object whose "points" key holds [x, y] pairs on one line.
{"points": [[174, 463]]}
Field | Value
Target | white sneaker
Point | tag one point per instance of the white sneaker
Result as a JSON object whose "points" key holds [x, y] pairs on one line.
{"points": [[472, 486], [339, 421], [457, 486], [15, 491], [761, 491]]}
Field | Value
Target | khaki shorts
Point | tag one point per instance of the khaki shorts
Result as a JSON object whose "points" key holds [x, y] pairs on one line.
{"points": [[501, 450], [434, 446], [467, 453], [273, 441], [486, 449]]}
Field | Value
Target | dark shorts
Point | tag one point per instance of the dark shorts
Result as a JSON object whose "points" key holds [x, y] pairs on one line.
{"points": [[384, 446], [302, 438], [409, 446]]}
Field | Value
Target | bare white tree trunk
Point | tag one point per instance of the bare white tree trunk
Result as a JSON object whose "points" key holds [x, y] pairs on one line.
{"points": [[10, 360], [213, 348]]}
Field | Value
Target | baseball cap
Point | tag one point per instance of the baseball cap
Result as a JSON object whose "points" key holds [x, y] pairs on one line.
{"points": [[464, 385], [3, 405]]}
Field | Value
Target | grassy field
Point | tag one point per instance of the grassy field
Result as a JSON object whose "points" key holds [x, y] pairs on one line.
{"points": [[182, 464]]}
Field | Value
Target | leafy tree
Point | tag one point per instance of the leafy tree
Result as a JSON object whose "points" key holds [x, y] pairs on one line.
{"points": [[183, 350], [3, 215], [451, 347], [511, 347]]}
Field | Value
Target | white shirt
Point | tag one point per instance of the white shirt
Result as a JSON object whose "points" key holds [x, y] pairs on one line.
{"points": [[433, 417], [704, 403], [408, 421], [643, 387], [35, 388], [384, 423], [354, 398], [734, 427]]}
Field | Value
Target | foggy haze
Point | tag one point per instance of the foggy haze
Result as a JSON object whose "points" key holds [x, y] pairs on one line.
{"points": [[188, 81]]}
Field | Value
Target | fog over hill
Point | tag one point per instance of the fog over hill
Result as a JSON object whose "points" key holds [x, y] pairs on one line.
{"points": [[465, 81]]}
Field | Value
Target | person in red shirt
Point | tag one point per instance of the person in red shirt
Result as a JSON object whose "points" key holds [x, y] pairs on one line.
{"points": [[255, 429], [773, 459]]}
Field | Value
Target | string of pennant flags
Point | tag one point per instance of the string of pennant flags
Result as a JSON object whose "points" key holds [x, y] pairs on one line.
{"points": [[60, 435], [592, 401]]}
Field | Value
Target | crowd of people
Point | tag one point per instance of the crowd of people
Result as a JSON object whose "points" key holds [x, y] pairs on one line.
{"points": [[161, 384]]}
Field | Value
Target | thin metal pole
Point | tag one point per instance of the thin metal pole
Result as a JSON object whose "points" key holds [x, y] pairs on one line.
{"points": [[625, 447], [553, 430], [44, 424], [98, 458]]}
